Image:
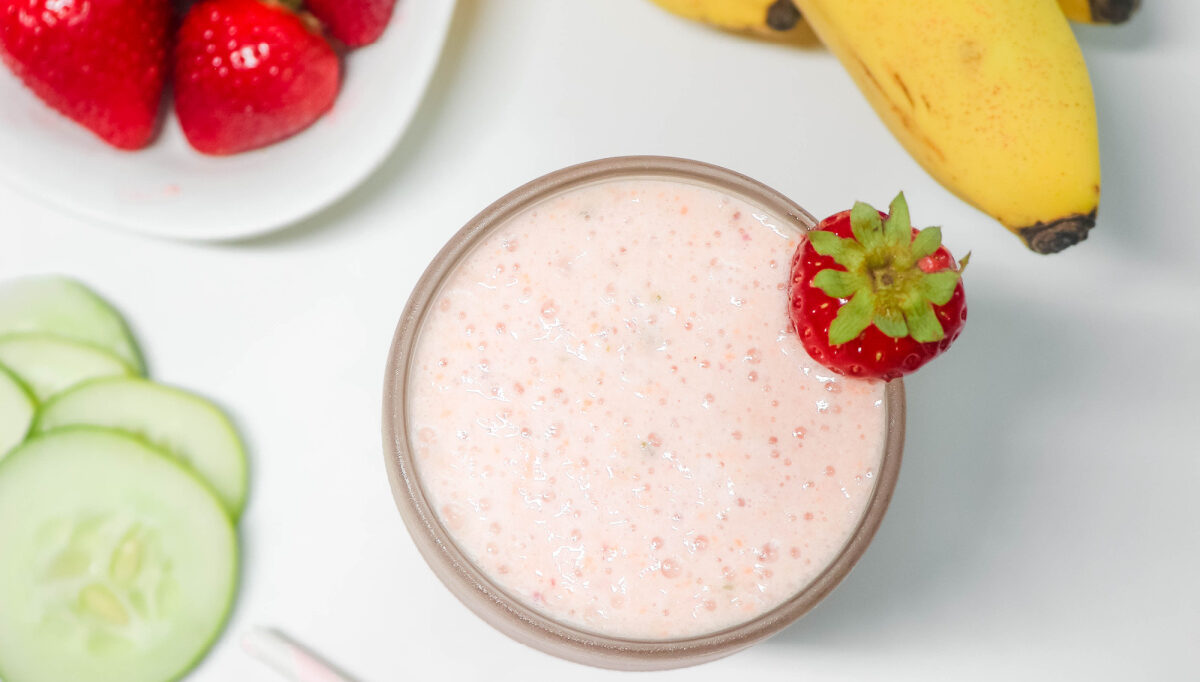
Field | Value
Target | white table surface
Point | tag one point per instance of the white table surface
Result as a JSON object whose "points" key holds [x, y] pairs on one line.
{"points": [[1045, 524]]}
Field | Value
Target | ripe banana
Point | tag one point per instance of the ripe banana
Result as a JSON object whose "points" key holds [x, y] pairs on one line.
{"points": [[771, 19], [992, 97], [1099, 11], [781, 20]]}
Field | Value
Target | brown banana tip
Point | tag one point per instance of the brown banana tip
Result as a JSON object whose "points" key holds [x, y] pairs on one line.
{"points": [[1113, 11], [1057, 235], [782, 15]]}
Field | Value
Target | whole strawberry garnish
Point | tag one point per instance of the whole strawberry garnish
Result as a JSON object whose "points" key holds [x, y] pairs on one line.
{"points": [[875, 298], [101, 63], [354, 22], [250, 73]]}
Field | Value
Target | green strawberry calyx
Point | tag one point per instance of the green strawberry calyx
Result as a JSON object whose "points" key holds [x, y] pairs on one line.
{"points": [[883, 282]]}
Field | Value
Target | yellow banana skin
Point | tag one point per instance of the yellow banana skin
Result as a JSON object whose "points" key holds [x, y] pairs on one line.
{"points": [[780, 19], [1099, 11], [777, 20], [992, 97]]}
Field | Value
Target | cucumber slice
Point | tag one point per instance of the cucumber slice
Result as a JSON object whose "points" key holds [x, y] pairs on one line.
{"points": [[118, 564], [51, 364], [64, 307], [187, 426], [17, 407]]}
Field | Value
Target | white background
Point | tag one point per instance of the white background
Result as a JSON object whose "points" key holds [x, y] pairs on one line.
{"points": [[1045, 524]]}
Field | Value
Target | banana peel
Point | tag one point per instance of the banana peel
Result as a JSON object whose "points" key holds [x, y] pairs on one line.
{"points": [[1099, 11], [991, 97], [782, 21], [773, 20]]}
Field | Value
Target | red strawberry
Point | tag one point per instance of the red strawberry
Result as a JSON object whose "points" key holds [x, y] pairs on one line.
{"points": [[354, 22], [876, 299], [250, 73], [101, 63]]}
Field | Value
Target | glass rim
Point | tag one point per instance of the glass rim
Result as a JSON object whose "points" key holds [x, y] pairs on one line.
{"points": [[470, 584]]}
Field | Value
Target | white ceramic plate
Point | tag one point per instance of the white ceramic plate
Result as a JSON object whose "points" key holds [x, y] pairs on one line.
{"points": [[169, 190]]}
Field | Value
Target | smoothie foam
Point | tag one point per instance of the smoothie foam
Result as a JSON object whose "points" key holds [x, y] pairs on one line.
{"points": [[611, 417]]}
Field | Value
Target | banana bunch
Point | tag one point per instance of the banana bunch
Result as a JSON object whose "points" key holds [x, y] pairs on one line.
{"points": [[1099, 11], [781, 19], [992, 97], [777, 20]]}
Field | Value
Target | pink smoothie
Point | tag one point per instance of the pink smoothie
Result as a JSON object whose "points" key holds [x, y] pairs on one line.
{"points": [[613, 420]]}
